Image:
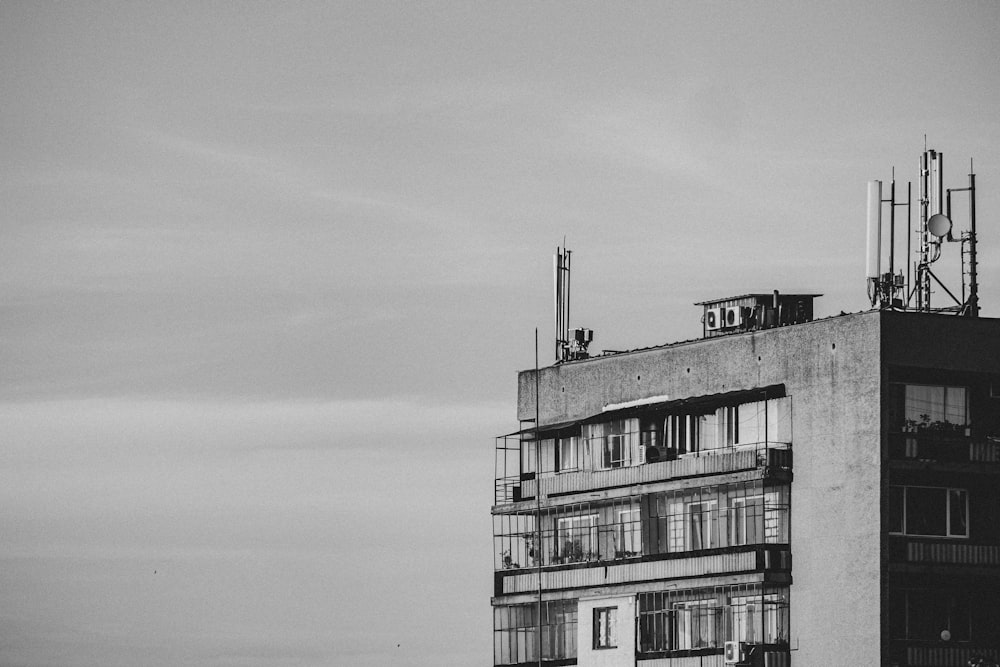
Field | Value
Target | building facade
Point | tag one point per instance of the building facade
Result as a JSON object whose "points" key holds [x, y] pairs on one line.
{"points": [[797, 492]]}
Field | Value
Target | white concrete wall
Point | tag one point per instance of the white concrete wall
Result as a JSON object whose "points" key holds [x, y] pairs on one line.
{"points": [[624, 653]]}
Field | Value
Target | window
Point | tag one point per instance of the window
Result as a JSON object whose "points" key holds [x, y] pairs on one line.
{"points": [[605, 627], [613, 453], [729, 425], [612, 443], [628, 537], [682, 433], [569, 453], [527, 457], [928, 511], [701, 524], [924, 613], [746, 520], [697, 624], [757, 619], [934, 406], [682, 620], [577, 538], [515, 632]]}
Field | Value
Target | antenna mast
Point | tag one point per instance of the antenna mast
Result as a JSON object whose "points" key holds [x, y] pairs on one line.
{"points": [[935, 228], [561, 267]]}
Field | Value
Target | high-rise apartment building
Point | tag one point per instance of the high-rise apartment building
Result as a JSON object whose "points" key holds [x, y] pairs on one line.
{"points": [[783, 491]]}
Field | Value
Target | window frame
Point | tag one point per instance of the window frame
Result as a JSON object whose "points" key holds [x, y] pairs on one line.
{"points": [[949, 534], [916, 419], [712, 505], [569, 444], [687, 621], [628, 531], [738, 508], [605, 635], [570, 524]]}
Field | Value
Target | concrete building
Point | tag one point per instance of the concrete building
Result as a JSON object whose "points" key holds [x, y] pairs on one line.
{"points": [[795, 492]]}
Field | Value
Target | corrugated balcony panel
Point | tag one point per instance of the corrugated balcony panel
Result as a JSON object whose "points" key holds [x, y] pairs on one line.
{"points": [[717, 660], [986, 451], [771, 659], [923, 656], [952, 553], [943, 449], [686, 466], [630, 572]]}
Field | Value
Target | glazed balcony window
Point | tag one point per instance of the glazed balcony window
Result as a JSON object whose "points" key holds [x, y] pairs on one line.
{"points": [[928, 511], [926, 408]]}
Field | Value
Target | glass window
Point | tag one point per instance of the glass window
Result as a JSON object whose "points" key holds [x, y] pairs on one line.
{"points": [[934, 406], [577, 538], [569, 453], [605, 627], [613, 455], [746, 520], [927, 613], [929, 511], [697, 624], [628, 537], [701, 525], [515, 631]]}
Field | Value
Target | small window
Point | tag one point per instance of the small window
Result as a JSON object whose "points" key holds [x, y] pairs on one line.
{"points": [[614, 451], [697, 624], [702, 525], [746, 520], [628, 538], [605, 627], [577, 538], [569, 453], [934, 407], [928, 511]]}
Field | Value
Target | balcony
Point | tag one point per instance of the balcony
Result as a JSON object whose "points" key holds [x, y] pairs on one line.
{"points": [[951, 656], [771, 456], [760, 558], [943, 447], [944, 553]]}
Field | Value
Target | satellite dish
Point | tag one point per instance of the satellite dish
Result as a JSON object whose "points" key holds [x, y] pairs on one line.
{"points": [[945, 635], [939, 225]]}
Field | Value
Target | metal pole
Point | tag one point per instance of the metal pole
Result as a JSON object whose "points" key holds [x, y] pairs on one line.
{"points": [[973, 280], [538, 507], [892, 236], [909, 238]]}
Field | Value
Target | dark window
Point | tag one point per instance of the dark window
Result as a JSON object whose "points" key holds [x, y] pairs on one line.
{"points": [[605, 627], [928, 511], [929, 613]]}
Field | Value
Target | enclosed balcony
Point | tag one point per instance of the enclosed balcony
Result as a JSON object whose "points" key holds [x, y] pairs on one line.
{"points": [[648, 447], [651, 526]]}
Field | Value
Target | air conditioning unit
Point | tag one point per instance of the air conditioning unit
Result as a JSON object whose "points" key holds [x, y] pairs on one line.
{"points": [[734, 652], [714, 318], [733, 317]]}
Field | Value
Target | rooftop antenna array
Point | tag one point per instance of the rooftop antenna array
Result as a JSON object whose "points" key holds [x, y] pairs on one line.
{"points": [[567, 348], [892, 289]]}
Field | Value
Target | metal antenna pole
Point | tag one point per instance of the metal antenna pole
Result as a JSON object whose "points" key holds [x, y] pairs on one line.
{"points": [[973, 280], [538, 508]]}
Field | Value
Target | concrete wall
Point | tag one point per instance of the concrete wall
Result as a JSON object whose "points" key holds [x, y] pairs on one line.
{"points": [[831, 371], [624, 653]]}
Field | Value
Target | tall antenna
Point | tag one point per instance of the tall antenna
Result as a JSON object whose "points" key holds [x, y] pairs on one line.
{"points": [[561, 268], [933, 231]]}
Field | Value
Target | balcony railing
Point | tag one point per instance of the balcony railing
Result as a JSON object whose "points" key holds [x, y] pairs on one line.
{"points": [[928, 656], [711, 462], [945, 553], [943, 448]]}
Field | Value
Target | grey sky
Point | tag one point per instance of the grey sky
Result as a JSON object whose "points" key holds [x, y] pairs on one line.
{"points": [[268, 271]]}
